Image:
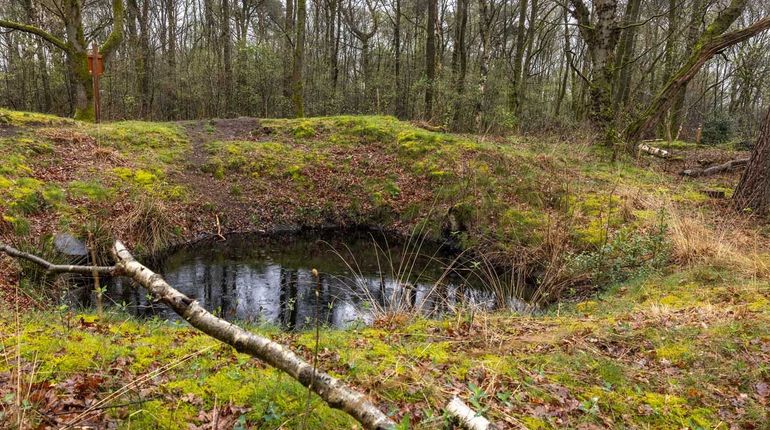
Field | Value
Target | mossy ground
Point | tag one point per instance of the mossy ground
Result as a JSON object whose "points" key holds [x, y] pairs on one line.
{"points": [[60, 175], [681, 343], [681, 350]]}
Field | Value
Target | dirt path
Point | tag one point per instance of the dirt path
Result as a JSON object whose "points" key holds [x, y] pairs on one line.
{"points": [[8, 130], [211, 196]]}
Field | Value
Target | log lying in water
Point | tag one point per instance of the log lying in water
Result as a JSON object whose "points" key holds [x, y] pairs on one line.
{"points": [[713, 170], [335, 393]]}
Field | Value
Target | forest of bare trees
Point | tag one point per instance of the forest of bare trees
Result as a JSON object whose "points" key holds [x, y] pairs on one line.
{"points": [[643, 68]]}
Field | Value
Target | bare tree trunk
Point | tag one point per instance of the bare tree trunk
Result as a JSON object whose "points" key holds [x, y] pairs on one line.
{"points": [[288, 63], [430, 57], [143, 60], [677, 110], [364, 37], [567, 66], [626, 49], [459, 59], [400, 96], [518, 58], [43, 66], [227, 58], [297, 84], [484, 31], [331, 30], [171, 86], [528, 56], [600, 35], [753, 190]]}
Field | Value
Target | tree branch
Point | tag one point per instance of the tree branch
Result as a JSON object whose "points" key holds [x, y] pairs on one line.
{"points": [[116, 34], [661, 153], [467, 417], [710, 43], [48, 37], [713, 170], [582, 15], [58, 268]]}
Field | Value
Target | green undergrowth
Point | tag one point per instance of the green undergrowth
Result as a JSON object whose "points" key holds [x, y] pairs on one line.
{"points": [[683, 350], [18, 118], [152, 144], [258, 159], [68, 174]]}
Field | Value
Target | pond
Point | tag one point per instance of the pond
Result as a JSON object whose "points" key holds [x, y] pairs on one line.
{"points": [[269, 279]]}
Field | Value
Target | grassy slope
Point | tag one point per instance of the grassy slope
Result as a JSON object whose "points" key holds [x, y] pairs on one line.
{"points": [[686, 346]]}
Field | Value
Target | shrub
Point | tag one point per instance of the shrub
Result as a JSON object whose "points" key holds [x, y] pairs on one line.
{"points": [[628, 254], [149, 224], [718, 129]]}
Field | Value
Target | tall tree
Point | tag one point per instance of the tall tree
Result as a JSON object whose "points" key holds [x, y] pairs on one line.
{"points": [[227, 60], [430, 57], [487, 15], [567, 65], [518, 58], [693, 30], [400, 96], [627, 46], [288, 46], [364, 36], [170, 79], [297, 83], [529, 54], [139, 43], [75, 47], [753, 190], [600, 34], [460, 58]]}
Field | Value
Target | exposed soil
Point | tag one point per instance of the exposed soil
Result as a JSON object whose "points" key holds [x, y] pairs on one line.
{"points": [[207, 192], [271, 203], [8, 130]]}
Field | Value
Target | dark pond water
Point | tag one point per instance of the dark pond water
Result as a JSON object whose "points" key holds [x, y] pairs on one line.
{"points": [[269, 279]]}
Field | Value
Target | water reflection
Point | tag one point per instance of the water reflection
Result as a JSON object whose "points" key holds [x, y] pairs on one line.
{"points": [[269, 279]]}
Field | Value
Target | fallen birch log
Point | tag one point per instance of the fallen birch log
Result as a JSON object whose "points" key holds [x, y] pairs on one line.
{"points": [[335, 393], [467, 417], [661, 153], [713, 170]]}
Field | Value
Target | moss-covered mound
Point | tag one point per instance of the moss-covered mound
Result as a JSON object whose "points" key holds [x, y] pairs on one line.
{"points": [[524, 200]]}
